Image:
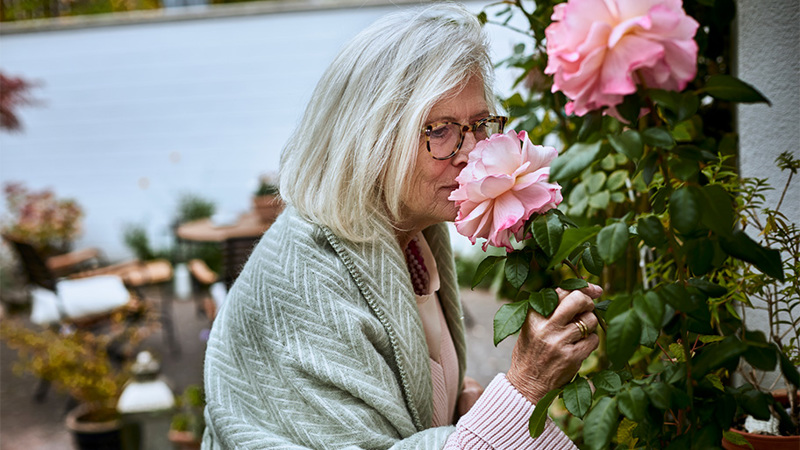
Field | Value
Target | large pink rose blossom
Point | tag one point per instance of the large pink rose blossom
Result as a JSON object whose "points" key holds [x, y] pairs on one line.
{"points": [[599, 50], [504, 183]]}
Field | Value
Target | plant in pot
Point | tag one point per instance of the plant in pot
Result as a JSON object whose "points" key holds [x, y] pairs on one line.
{"points": [[50, 224], [266, 200], [186, 429], [649, 213], [778, 305], [91, 367]]}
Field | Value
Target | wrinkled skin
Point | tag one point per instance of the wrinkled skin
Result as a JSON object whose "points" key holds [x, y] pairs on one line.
{"points": [[549, 351]]}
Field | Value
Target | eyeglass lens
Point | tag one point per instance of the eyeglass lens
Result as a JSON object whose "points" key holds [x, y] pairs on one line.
{"points": [[444, 138]]}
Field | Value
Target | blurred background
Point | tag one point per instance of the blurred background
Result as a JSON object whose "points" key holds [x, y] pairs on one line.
{"points": [[121, 120]]}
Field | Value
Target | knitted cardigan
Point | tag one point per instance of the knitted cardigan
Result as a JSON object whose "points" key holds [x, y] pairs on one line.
{"points": [[320, 345]]}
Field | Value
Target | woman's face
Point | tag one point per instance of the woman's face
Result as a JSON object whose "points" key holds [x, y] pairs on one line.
{"points": [[433, 180]]}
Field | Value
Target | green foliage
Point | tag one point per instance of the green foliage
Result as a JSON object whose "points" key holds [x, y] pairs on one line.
{"points": [[655, 212], [190, 405], [194, 207]]}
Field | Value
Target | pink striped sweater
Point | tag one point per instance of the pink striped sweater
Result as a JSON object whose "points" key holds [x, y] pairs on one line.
{"points": [[499, 419]]}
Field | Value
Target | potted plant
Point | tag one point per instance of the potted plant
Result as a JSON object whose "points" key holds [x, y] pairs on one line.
{"points": [[780, 305], [89, 366], [266, 200], [186, 429], [41, 219], [649, 213]]}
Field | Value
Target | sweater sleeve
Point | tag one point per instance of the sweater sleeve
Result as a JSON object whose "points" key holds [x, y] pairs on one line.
{"points": [[499, 420]]}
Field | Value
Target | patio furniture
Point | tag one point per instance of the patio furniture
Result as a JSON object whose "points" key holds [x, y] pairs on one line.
{"points": [[90, 296], [236, 240]]}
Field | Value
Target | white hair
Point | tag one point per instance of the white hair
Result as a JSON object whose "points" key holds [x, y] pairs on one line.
{"points": [[353, 151]]}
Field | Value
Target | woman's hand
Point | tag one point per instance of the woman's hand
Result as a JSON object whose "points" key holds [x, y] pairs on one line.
{"points": [[470, 393], [549, 351]]}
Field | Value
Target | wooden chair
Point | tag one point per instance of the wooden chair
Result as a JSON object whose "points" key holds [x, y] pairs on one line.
{"points": [[235, 252]]}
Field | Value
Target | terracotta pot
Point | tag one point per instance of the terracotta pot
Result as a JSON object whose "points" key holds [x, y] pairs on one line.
{"points": [[766, 442], [88, 435], [184, 440], [267, 207]]}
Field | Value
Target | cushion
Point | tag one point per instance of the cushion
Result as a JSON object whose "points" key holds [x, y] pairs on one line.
{"points": [[79, 298]]}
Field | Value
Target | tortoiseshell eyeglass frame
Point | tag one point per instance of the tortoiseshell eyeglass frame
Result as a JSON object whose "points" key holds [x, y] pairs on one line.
{"points": [[501, 120]]}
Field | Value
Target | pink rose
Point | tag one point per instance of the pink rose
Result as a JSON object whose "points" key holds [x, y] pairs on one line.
{"points": [[599, 50], [503, 184]]}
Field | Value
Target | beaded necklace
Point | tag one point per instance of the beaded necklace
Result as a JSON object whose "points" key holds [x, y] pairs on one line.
{"points": [[420, 278]]}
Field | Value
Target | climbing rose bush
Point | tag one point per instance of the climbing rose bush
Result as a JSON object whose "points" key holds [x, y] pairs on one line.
{"points": [[599, 50], [504, 182]]}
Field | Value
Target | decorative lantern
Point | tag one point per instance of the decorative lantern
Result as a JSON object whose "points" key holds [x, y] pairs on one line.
{"points": [[146, 406]]}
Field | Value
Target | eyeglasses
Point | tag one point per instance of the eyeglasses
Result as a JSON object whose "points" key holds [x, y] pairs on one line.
{"points": [[444, 139]]}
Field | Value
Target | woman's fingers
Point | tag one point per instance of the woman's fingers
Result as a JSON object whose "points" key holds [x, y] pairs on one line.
{"points": [[571, 305], [582, 326]]}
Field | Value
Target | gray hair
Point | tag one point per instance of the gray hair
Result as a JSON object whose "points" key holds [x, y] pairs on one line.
{"points": [[353, 151]]}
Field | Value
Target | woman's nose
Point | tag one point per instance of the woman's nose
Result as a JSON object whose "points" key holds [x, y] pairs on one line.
{"points": [[466, 147]]}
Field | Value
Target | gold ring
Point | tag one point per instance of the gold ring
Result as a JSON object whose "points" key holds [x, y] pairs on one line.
{"points": [[582, 328]]}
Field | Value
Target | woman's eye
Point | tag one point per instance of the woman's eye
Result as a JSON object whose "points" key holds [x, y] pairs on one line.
{"points": [[440, 132]]}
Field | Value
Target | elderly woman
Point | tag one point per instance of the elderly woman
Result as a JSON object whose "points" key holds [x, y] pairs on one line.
{"points": [[345, 329]]}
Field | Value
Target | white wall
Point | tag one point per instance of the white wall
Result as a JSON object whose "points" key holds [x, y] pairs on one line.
{"points": [[769, 58], [133, 116]]}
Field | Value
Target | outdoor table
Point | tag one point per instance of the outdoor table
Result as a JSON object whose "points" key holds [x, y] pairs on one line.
{"points": [[236, 239]]}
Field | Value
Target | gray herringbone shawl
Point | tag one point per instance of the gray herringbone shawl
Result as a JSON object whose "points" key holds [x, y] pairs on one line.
{"points": [[320, 345]]}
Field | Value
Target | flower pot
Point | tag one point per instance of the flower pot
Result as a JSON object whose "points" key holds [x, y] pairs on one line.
{"points": [[184, 440], [267, 207], [766, 442], [87, 434]]}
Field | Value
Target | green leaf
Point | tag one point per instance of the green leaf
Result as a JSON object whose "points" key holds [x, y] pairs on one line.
{"points": [[722, 354], [767, 260], [649, 335], [685, 209], [658, 137], [678, 297], [484, 268], [629, 143], [573, 284], [713, 290], [630, 108], [732, 89], [659, 395], [718, 214], [736, 438], [539, 417], [578, 397], [600, 200], [652, 231], [650, 308], [762, 357], [617, 179], [595, 182], [601, 423], [572, 239], [509, 319], [624, 332], [633, 403], [699, 255], [688, 105], [548, 230], [789, 370], [607, 380], [755, 403], [517, 268], [612, 241], [592, 260], [572, 162], [544, 302]]}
